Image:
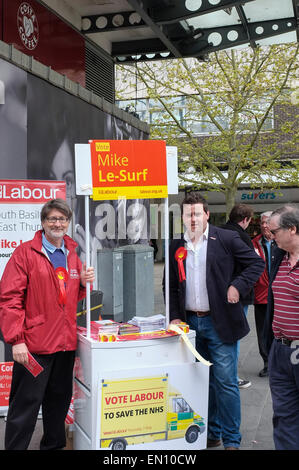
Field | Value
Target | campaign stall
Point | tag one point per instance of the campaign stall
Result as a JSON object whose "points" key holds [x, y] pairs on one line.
{"points": [[141, 390]]}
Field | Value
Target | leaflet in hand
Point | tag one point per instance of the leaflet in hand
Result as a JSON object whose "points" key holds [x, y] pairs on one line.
{"points": [[33, 366]]}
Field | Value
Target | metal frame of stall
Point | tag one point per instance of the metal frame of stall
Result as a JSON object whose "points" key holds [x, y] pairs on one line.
{"points": [[84, 188], [176, 361]]}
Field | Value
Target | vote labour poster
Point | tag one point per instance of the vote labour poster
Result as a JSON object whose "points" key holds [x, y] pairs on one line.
{"points": [[5, 382], [163, 408], [20, 205], [132, 169]]}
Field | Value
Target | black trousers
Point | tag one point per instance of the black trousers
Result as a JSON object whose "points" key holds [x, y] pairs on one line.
{"points": [[260, 315], [51, 390]]}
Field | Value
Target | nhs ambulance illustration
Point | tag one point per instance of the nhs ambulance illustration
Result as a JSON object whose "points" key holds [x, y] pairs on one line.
{"points": [[144, 410]]}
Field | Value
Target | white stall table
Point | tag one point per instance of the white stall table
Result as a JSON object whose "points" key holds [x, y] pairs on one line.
{"points": [[104, 421]]}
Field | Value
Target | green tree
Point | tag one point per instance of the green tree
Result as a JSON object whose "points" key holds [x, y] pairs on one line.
{"points": [[233, 96]]}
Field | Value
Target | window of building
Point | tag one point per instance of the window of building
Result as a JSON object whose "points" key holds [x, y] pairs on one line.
{"points": [[186, 112]]}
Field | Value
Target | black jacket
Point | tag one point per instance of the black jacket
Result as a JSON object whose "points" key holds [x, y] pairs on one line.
{"points": [[237, 228], [224, 250], [248, 298]]}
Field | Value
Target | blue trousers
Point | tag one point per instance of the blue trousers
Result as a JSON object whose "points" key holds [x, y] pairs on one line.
{"points": [[224, 397], [284, 384], [245, 308]]}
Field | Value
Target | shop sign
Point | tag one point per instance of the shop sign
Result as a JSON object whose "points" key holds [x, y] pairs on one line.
{"points": [[27, 26], [132, 169], [258, 196]]}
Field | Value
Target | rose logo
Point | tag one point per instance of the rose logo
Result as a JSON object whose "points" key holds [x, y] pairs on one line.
{"points": [[28, 26]]}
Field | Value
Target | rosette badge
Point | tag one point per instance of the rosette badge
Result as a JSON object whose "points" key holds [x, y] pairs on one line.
{"points": [[62, 276], [180, 256]]}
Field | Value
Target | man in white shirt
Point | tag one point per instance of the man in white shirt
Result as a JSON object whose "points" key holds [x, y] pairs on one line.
{"points": [[205, 292]]}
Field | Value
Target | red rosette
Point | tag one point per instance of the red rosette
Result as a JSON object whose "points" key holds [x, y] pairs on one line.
{"points": [[180, 255], [62, 276]]}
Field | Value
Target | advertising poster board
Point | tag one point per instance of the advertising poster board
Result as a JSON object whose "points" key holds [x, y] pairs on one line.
{"points": [[154, 408], [20, 205]]}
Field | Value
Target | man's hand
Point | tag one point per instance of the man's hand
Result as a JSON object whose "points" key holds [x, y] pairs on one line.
{"points": [[176, 321], [87, 275], [20, 353], [233, 295]]}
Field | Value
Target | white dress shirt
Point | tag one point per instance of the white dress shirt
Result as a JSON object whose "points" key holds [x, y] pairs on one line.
{"points": [[196, 284]]}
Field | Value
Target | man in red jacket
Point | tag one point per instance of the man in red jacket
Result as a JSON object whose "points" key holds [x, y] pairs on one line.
{"points": [[263, 245], [39, 291]]}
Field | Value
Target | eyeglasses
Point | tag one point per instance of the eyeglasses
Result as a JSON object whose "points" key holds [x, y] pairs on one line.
{"points": [[61, 220], [275, 230]]}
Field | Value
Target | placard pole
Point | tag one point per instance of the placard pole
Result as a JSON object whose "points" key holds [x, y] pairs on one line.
{"points": [[166, 250], [87, 247]]}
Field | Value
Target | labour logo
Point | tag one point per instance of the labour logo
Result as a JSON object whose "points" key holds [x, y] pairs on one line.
{"points": [[27, 26]]}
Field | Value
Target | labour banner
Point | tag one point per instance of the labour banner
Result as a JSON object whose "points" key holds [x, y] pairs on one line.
{"points": [[20, 205]]}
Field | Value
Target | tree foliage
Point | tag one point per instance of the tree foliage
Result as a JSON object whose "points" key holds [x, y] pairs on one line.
{"points": [[235, 97]]}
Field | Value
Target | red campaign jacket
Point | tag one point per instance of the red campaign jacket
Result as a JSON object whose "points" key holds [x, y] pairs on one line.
{"points": [[29, 299], [261, 286]]}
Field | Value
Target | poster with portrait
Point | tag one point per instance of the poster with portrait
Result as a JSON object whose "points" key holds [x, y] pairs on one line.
{"points": [[39, 127], [56, 122]]}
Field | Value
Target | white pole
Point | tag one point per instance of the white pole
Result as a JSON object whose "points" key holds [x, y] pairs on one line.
{"points": [[166, 244], [87, 245]]}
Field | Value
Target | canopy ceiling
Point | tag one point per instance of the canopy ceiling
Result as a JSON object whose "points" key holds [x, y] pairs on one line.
{"points": [[134, 30]]}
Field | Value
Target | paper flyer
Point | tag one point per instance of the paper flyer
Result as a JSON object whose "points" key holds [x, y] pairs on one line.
{"points": [[33, 366]]}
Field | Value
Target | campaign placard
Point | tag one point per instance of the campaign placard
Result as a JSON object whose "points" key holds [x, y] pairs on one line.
{"points": [[154, 408], [132, 169]]}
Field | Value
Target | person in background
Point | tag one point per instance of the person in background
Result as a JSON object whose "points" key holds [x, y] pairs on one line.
{"points": [[153, 243], [239, 218], [205, 292], [263, 245], [39, 290], [281, 333]]}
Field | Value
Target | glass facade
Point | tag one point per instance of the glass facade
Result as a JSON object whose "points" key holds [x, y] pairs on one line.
{"points": [[185, 111]]}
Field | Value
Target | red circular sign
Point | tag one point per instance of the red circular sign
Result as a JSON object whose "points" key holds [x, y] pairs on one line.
{"points": [[27, 26]]}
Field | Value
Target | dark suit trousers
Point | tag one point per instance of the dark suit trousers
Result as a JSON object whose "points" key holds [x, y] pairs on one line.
{"points": [[260, 315], [284, 385], [51, 390]]}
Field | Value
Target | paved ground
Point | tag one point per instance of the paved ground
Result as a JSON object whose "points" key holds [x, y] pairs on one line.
{"points": [[256, 425]]}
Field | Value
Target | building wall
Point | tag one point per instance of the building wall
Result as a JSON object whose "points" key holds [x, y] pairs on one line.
{"points": [[36, 31], [39, 125]]}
